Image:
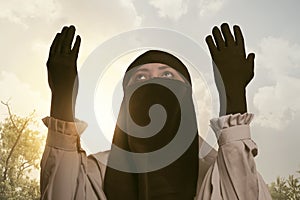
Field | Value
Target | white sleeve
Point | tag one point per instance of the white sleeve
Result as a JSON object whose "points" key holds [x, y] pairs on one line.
{"points": [[233, 176], [66, 172]]}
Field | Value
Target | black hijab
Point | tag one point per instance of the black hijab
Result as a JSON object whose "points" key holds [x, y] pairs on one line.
{"points": [[177, 180]]}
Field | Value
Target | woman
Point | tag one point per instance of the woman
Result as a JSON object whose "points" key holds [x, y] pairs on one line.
{"points": [[155, 77]]}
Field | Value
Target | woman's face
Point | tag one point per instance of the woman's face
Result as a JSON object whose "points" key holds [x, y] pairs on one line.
{"points": [[154, 70]]}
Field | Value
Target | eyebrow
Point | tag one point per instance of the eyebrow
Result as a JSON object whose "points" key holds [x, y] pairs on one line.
{"points": [[143, 70], [160, 68], [164, 67]]}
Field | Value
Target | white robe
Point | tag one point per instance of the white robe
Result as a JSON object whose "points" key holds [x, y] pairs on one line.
{"points": [[229, 174]]}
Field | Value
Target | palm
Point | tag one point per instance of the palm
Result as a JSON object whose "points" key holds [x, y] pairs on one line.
{"points": [[230, 61], [61, 64], [233, 70]]}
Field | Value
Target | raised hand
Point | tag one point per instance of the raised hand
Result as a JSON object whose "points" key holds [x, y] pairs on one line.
{"points": [[62, 73], [233, 70]]}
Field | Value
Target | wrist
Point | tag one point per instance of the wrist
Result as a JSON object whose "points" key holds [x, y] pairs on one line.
{"points": [[233, 102], [236, 106], [63, 107]]}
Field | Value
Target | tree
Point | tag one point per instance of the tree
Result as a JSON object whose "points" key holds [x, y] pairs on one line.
{"points": [[286, 189], [20, 154]]}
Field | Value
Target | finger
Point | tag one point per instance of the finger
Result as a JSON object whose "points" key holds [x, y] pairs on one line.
{"points": [[61, 39], [239, 39], [54, 44], [75, 49], [218, 38], [211, 45], [67, 43], [229, 40], [250, 58]]}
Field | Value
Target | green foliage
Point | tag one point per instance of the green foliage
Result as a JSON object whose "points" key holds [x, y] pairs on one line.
{"points": [[20, 154], [286, 189]]}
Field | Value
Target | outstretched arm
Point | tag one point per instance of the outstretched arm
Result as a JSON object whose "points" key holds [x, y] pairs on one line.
{"points": [[233, 175], [66, 171], [233, 70], [62, 74]]}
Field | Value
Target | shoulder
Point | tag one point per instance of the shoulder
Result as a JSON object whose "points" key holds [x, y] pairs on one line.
{"points": [[101, 156], [99, 161]]}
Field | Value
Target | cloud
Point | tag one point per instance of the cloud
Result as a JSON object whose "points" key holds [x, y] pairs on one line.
{"points": [[279, 57], [96, 19], [99, 16], [30, 26], [172, 9], [278, 103], [21, 97], [20, 11], [210, 7], [94, 12]]}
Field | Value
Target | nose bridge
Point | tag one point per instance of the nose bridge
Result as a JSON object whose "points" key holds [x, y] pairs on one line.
{"points": [[154, 72]]}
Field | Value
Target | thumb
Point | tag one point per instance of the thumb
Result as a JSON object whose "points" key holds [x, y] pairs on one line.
{"points": [[250, 58]]}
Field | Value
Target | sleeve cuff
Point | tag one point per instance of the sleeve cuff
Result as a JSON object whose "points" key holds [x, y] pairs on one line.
{"points": [[235, 127], [230, 128], [64, 135], [228, 121]]}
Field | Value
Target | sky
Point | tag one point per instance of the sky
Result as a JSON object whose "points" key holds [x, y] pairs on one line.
{"points": [[270, 30]]}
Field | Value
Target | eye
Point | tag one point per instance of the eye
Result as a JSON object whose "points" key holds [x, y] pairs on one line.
{"points": [[140, 77], [168, 74]]}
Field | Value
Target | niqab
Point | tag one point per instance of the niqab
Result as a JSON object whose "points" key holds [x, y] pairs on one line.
{"points": [[177, 180]]}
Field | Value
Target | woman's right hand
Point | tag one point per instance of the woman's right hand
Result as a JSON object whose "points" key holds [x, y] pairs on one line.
{"points": [[62, 73]]}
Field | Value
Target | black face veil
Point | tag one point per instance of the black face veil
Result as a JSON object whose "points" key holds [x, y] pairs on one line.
{"points": [[176, 180]]}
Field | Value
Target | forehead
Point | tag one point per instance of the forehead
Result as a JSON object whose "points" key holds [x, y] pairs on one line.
{"points": [[153, 66]]}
